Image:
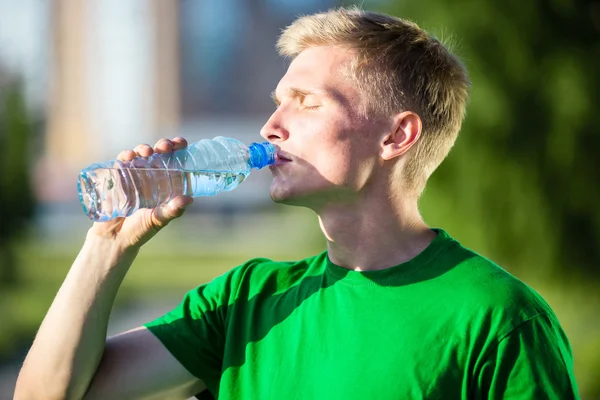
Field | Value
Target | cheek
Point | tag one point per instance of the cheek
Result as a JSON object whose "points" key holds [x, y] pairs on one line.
{"points": [[348, 161], [334, 162], [332, 145]]}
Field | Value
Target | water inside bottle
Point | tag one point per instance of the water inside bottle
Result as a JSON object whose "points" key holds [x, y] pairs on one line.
{"points": [[106, 193]]}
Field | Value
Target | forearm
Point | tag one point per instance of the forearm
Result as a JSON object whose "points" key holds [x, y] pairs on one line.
{"points": [[70, 342]]}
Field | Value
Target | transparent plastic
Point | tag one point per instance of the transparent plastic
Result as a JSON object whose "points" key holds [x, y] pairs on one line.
{"points": [[117, 189]]}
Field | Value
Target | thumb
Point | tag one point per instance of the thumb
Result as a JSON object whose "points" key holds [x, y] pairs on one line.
{"points": [[167, 212]]}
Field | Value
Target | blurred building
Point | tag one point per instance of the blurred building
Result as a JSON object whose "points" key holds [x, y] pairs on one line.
{"points": [[114, 83]]}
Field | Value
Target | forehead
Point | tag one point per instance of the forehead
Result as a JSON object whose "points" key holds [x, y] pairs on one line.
{"points": [[319, 67]]}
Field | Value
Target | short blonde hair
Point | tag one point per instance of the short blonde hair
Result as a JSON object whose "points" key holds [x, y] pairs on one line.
{"points": [[400, 67]]}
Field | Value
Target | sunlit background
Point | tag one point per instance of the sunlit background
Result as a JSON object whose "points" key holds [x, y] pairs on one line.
{"points": [[81, 80]]}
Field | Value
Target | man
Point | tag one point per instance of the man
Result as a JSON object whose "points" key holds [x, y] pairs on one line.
{"points": [[367, 110]]}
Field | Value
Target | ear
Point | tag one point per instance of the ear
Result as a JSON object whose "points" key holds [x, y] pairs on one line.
{"points": [[406, 129]]}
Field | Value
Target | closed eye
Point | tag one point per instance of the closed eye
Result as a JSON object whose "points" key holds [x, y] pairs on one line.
{"points": [[310, 102], [311, 107], [306, 100]]}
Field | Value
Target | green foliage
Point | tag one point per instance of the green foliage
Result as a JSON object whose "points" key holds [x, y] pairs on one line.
{"points": [[16, 197]]}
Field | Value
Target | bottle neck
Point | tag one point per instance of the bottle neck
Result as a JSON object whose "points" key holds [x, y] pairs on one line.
{"points": [[261, 154]]}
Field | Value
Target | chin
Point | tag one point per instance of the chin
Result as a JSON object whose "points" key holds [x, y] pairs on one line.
{"points": [[282, 198], [288, 197], [297, 200]]}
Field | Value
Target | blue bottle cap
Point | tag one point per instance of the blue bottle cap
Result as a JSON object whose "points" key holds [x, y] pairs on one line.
{"points": [[261, 154]]}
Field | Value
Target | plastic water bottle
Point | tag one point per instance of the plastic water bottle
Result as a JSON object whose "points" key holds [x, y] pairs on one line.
{"points": [[205, 168]]}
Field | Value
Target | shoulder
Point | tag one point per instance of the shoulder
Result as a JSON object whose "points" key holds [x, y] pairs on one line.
{"points": [[264, 274], [259, 267], [493, 295]]}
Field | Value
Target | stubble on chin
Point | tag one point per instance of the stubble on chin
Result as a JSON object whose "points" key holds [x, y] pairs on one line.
{"points": [[280, 197]]}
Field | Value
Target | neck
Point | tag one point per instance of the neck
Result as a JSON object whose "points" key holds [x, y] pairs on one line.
{"points": [[374, 235]]}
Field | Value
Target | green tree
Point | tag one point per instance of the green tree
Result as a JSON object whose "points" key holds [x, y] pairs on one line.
{"points": [[16, 197]]}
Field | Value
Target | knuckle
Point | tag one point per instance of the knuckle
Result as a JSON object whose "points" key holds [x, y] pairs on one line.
{"points": [[163, 146], [164, 142], [142, 148], [126, 154], [180, 141]]}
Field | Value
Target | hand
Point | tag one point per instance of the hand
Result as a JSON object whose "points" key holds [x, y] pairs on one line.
{"points": [[141, 226]]}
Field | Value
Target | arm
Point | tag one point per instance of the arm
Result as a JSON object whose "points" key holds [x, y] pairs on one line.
{"points": [[136, 365], [534, 361], [71, 341]]}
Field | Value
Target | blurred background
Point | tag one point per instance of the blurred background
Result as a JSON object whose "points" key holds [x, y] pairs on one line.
{"points": [[81, 80]]}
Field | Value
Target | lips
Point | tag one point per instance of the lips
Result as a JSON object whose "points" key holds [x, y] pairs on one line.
{"points": [[282, 158]]}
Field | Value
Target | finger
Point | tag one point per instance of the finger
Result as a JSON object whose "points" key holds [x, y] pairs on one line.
{"points": [[163, 146], [143, 150], [175, 208], [126, 155], [179, 143], [181, 202]]}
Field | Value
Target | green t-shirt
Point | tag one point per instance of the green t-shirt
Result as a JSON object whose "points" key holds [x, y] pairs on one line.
{"points": [[448, 324]]}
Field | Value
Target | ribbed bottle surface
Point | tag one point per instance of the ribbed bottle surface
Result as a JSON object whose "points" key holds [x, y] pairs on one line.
{"points": [[205, 168]]}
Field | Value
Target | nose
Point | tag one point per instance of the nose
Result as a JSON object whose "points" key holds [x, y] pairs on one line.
{"points": [[273, 130]]}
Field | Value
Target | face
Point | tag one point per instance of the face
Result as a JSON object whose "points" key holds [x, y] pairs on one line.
{"points": [[328, 150]]}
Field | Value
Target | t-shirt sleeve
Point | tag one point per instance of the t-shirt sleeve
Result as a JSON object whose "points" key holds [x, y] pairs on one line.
{"points": [[533, 361], [194, 331]]}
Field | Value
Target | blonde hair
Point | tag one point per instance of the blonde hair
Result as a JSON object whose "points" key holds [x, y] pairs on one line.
{"points": [[400, 67]]}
